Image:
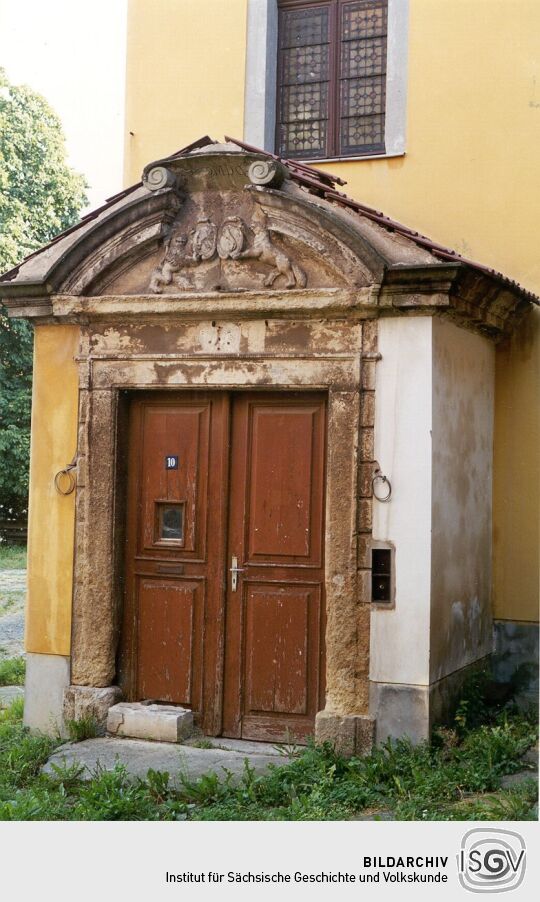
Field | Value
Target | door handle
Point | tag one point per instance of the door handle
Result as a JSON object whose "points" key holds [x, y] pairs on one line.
{"points": [[235, 570]]}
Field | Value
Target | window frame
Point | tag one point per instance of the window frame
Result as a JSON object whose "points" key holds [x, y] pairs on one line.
{"points": [[259, 120], [333, 137]]}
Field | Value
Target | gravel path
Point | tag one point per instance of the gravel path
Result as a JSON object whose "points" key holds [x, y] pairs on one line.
{"points": [[12, 599]]}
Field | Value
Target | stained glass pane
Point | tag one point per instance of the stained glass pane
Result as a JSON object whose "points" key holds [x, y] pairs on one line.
{"points": [[304, 64], [362, 133], [304, 102], [362, 97], [361, 58], [364, 19], [363, 77], [304, 73], [303, 140], [303, 27]]}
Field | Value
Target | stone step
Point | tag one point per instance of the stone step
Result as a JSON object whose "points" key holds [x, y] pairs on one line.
{"points": [[162, 723]]}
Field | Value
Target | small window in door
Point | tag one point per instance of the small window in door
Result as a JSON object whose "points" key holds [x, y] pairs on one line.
{"points": [[170, 522]]}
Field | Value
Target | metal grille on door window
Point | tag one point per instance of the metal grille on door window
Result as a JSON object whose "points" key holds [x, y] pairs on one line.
{"points": [[170, 522]]}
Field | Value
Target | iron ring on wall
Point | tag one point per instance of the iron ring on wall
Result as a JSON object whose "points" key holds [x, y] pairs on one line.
{"points": [[380, 477], [66, 472]]}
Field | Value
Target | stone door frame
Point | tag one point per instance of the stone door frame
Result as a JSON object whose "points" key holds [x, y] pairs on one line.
{"points": [[99, 510]]}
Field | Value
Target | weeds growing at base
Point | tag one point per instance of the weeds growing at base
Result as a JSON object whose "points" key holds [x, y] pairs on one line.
{"points": [[12, 671], [455, 777]]}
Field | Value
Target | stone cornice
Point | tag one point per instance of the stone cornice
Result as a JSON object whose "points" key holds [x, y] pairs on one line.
{"points": [[448, 290]]}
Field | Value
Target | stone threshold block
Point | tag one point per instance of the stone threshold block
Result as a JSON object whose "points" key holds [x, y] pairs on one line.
{"points": [[163, 723]]}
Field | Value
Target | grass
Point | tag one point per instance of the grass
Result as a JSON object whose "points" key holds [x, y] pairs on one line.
{"points": [[456, 777], [83, 728], [12, 671], [12, 557]]}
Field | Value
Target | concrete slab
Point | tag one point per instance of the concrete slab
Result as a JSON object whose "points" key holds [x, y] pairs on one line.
{"points": [[243, 746], [46, 678], [139, 756], [8, 694]]}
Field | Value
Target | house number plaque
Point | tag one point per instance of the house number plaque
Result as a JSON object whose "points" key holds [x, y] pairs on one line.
{"points": [[171, 462]]}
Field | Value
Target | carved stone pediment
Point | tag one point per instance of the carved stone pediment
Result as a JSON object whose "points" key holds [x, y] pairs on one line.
{"points": [[241, 225], [228, 219]]}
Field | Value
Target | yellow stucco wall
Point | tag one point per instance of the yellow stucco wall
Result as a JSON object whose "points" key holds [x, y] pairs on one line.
{"points": [[469, 180], [516, 475], [51, 516], [185, 75]]}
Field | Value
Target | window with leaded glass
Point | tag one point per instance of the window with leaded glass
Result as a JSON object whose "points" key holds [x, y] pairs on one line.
{"points": [[331, 78]]}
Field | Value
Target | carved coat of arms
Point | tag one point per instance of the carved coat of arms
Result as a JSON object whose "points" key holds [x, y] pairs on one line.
{"points": [[228, 242]]}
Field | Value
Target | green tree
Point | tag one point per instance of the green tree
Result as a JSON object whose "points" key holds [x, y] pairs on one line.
{"points": [[40, 195]]}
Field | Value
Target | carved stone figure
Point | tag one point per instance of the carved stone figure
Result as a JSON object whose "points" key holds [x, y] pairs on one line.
{"points": [[175, 259], [228, 242], [231, 239], [204, 239], [266, 251]]}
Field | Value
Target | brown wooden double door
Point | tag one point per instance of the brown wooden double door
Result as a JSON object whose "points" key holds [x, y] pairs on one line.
{"points": [[224, 601]]}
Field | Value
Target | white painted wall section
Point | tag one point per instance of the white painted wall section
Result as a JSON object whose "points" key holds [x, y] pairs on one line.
{"points": [[403, 404]]}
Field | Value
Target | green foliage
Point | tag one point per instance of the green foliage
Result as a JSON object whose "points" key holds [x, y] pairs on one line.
{"points": [[509, 805], [472, 707], [446, 780], [203, 744], [12, 671], [83, 728], [40, 195], [12, 557]]}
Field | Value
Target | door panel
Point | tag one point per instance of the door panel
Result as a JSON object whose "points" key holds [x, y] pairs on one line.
{"points": [[170, 622], [273, 663], [276, 638], [172, 645], [184, 431], [214, 477], [280, 513]]}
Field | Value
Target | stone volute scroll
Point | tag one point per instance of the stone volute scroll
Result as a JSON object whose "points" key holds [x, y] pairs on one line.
{"points": [[265, 172], [159, 177]]}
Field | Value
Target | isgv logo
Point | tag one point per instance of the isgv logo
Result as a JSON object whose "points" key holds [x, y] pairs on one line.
{"points": [[491, 861]]}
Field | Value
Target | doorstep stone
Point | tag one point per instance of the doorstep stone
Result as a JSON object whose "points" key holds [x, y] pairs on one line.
{"points": [[162, 723]]}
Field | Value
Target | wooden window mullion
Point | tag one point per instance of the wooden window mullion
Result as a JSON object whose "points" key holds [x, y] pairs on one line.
{"points": [[333, 86]]}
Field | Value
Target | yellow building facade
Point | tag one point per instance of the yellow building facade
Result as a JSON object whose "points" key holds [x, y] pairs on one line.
{"points": [[459, 165], [467, 178]]}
